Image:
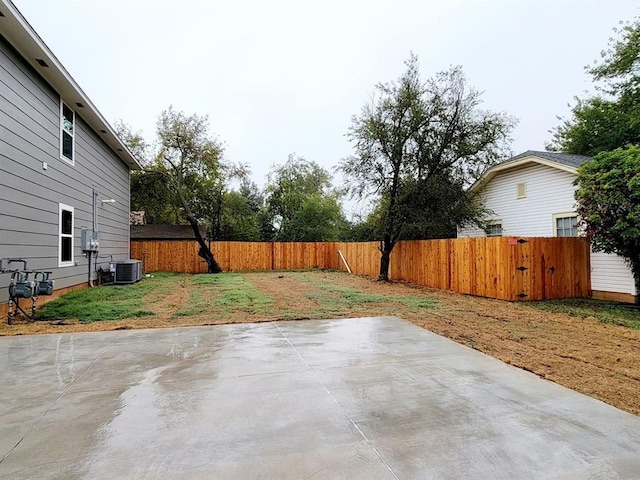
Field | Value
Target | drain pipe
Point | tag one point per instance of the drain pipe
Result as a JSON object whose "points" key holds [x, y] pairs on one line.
{"points": [[94, 227], [90, 270]]}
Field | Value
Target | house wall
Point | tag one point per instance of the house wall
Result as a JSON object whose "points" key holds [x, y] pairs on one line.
{"points": [[549, 191], [610, 274], [30, 195]]}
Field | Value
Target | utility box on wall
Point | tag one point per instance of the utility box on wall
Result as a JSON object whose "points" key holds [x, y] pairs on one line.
{"points": [[89, 240]]}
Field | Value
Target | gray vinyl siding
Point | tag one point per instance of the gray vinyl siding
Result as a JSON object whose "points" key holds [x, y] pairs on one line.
{"points": [[30, 196]]}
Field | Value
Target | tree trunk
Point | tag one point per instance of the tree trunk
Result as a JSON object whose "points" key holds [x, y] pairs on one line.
{"points": [[204, 251], [385, 259], [391, 225]]}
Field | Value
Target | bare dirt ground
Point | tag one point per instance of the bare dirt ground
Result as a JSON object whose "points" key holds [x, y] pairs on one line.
{"points": [[600, 360]]}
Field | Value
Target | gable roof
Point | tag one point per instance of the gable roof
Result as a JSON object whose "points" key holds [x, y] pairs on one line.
{"points": [[568, 159], [21, 36], [567, 162]]}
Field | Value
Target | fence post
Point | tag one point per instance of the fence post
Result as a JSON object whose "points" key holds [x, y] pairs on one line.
{"points": [[273, 256]]}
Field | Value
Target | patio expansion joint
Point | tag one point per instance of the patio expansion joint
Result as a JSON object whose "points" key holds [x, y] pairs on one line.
{"points": [[55, 402], [335, 400]]}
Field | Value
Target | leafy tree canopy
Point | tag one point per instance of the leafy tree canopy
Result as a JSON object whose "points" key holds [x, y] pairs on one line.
{"points": [[619, 67], [243, 214], [185, 164], [597, 125], [302, 202], [608, 198], [415, 143], [610, 119]]}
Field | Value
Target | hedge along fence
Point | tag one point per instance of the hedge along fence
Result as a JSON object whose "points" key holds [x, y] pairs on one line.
{"points": [[496, 267]]}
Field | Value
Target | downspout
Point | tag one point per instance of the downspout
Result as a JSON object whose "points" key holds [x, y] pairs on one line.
{"points": [[94, 228]]}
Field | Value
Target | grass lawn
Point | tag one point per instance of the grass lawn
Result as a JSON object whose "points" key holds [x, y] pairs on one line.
{"points": [[586, 345], [182, 298], [108, 303], [608, 312]]}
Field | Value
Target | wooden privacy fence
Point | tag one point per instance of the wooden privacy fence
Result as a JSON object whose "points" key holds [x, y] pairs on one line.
{"points": [[495, 267]]}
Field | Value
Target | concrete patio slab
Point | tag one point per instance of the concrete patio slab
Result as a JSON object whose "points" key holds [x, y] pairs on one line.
{"points": [[370, 398]]}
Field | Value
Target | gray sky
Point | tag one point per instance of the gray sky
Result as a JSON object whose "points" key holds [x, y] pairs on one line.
{"points": [[282, 76]]}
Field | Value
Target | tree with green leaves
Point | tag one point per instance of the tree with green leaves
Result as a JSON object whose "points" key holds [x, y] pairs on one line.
{"points": [[364, 228], [610, 119], [418, 145], [243, 212], [185, 170], [608, 197], [148, 192], [303, 204], [210, 196], [189, 160]]}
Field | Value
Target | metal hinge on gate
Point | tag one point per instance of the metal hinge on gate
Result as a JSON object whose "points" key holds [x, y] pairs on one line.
{"points": [[522, 295], [521, 268], [522, 240]]}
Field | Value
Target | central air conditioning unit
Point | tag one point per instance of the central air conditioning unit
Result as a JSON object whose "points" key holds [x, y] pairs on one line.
{"points": [[126, 271]]}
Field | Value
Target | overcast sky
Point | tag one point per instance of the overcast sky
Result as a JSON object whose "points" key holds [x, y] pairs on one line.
{"points": [[277, 77]]}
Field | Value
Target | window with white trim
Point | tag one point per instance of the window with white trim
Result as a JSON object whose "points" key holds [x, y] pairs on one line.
{"points": [[65, 235], [566, 226], [494, 229], [67, 133]]}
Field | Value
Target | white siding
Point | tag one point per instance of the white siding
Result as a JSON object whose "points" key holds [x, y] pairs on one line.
{"points": [[609, 273], [549, 191]]}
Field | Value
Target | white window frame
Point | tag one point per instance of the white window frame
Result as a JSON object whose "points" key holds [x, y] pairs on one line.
{"points": [[556, 216], [496, 222], [61, 207], [73, 135]]}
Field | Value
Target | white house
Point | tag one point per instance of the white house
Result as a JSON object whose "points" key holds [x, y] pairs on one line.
{"points": [[532, 195]]}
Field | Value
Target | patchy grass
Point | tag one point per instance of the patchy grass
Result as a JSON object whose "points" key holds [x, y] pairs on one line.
{"points": [[352, 296], [107, 303], [222, 294], [340, 295], [606, 312], [197, 304]]}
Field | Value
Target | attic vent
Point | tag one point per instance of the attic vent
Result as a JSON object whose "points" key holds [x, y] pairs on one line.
{"points": [[79, 105], [41, 62], [521, 190]]}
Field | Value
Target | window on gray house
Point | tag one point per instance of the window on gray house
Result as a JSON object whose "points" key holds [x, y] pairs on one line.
{"points": [[67, 132], [65, 235], [567, 227]]}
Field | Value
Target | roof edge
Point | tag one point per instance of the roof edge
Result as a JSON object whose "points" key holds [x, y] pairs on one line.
{"points": [[25, 40], [488, 175]]}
